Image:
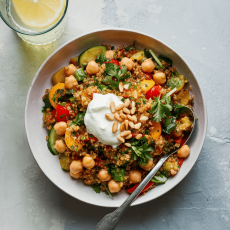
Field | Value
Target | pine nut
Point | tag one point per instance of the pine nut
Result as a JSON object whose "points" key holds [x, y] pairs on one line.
{"points": [[138, 125], [128, 144], [123, 116], [125, 133], [133, 110], [121, 139], [117, 117], [125, 110], [144, 118], [129, 117], [127, 102], [115, 126], [119, 107], [129, 136], [126, 124], [122, 127], [121, 86], [134, 118], [133, 104], [112, 106], [131, 124], [138, 136], [109, 116]]}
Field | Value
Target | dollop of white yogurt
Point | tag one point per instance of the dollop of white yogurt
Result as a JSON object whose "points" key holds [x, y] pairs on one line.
{"points": [[96, 122]]}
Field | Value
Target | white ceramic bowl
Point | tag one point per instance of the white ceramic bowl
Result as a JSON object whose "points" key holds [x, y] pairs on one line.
{"points": [[36, 134]]}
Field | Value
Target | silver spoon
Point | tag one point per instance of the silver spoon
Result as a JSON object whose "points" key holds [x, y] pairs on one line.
{"points": [[110, 221]]}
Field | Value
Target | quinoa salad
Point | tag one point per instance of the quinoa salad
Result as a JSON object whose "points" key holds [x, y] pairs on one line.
{"points": [[113, 112]]}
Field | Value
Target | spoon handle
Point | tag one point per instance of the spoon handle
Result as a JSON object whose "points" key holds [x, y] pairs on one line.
{"points": [[110, 221]]}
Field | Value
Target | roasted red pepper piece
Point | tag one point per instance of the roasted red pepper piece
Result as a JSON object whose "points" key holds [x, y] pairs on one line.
{"points": [[116, 62], [178, 140], [130, 190], [154, 92], [61, 113], [148, 76], [180, 161]]}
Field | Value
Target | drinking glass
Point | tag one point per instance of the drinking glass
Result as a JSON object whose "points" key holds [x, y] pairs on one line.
{"points": [[28, 34]]}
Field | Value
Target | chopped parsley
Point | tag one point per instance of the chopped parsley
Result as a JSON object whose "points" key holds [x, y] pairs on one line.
{"points": [[118, 173], [107, 191], [62, 115], [79, 120], [100, 58]]}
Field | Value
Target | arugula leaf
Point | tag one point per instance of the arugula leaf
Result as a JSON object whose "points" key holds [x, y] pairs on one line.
{"points": [[100, 58], [166, 59], [108, 192], [79, 120], [169, 125], [113, 70], [96, 188], [141, 150], [160, 178]]}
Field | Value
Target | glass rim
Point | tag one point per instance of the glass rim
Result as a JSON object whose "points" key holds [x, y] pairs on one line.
{"points": [[59, 21]]}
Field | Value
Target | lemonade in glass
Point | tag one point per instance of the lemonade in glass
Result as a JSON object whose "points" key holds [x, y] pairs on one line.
{"points": [[35, 21]]}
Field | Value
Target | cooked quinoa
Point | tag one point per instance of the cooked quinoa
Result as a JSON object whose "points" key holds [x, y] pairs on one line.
{"points": [[145, 92]]}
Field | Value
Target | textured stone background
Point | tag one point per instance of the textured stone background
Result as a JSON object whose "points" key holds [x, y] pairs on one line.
{"points": [[199, 31]]}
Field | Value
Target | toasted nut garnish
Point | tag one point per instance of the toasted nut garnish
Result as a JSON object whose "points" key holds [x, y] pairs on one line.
{"points": [[127, 102], [144, 118], [129, 136], [138, 125], [112, 106], [123, 116], [121, 86], [117, 117], [130, 117], [133, 104], [126, 124], [119, 107], [138, 136], [133, 110], [109, 116], [125, 110], [128, 144], [115, 126], [134, 118], [121, 139], [122, 127], [126, 86], [125, 133], [131, 124]]}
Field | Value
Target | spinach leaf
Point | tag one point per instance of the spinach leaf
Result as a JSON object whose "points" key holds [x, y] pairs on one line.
{"points": [[96, 188]]}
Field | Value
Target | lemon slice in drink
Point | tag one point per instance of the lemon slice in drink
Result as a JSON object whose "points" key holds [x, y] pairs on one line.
{"points": [[39, 13]]}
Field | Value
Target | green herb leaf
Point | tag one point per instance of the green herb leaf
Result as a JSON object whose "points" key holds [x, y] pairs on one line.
{"points": [[62, 115], [166, 59], [96, 188], [141, 150], [179, 109], [79, 120], [107, 190], [118, 173], [70, 91], [131, 47], [160, 178], [100, 58], [47, 104], [175, 82], [169, 125]]}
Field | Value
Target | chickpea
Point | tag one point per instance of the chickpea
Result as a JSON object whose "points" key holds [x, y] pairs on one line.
{"points": [[114, 186], [60, 146], [69, 82], [159, 78], [92, 68], [76, 167], [60, 127], [70, 70], [184, 151], [177, 133], [134, 176], [88, 162], [103, 175], [149, 166], [148, 65], [128, 63], [76, 175], [109, 54]]}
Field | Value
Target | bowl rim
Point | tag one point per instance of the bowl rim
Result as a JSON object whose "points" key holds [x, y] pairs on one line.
{"points": [[125, 30]]}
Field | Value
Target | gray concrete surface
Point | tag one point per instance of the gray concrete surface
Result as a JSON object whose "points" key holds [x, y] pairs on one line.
{"points": [[199, 31]]}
